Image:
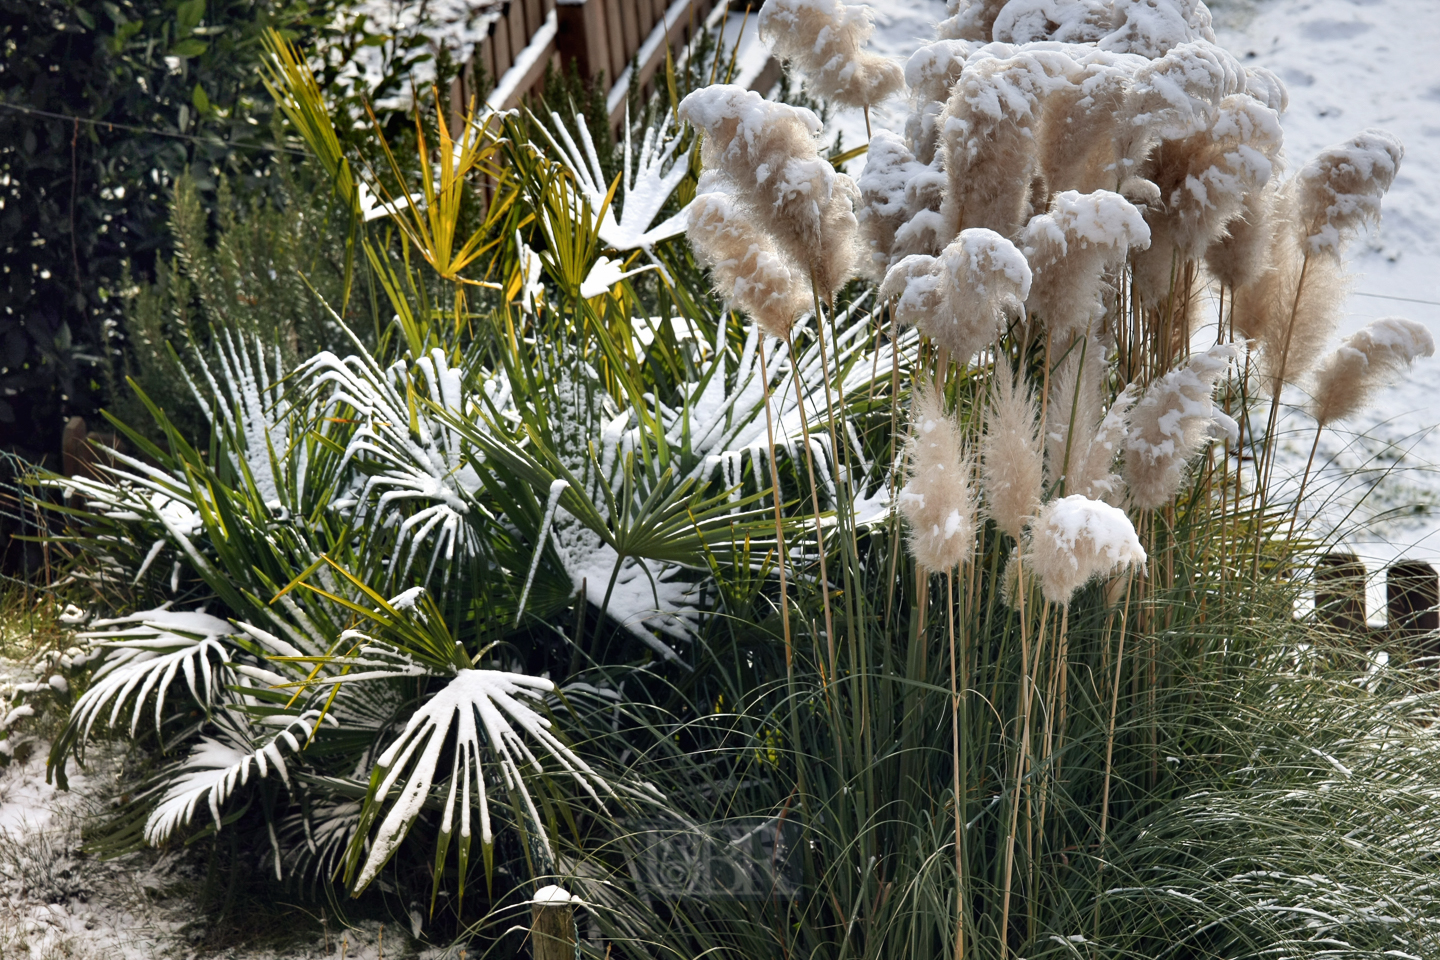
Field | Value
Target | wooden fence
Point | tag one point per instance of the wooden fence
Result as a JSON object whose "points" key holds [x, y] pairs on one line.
{"points": [[604, 39]]}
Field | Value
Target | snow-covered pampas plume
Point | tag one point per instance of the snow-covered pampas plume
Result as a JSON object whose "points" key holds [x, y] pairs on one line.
{"points": [[1170, 424], [1240, 256], [744, 264], [1070, 249], [1064, 21], [890, 168], [1365, 361], [930, 73], [1174, 97], [970, 19], [961, 298], [988, 134], [1082, 124], [1204, 180], [826, 40], [986, 278], [1338, 193], [1292, 308], [1076, 539], [768, 152], [939, 499], [1012, 463], [919, 290], [1080, 444]]}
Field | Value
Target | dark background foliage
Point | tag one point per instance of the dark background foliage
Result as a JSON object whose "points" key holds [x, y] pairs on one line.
{"points": [[104, 105]]}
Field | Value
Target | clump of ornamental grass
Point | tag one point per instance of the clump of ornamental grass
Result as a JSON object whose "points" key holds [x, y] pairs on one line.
{"points": [[826, 40]]}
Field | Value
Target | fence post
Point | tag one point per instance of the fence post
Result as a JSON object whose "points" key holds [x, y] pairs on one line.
{"points": [[1340, 591], [552, 924], [1412, 596]]}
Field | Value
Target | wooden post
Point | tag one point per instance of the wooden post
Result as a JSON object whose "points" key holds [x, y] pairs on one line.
{"points": [[552, 924], [1412, 596], [1340, 591]]}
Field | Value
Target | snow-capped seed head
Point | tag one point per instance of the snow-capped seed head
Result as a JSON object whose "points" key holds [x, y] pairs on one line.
{"points": [[744, 265], [1075, 539], [1265, 86], [768, 152], [826, 40], [1170, 424], [934, 67], [1292, 308], [1204, 180], [1064, 21], [988, 136], [1366, 361], [919, 290], [889, 167], [1070, 249], [1012, 461], [1175, 96], [985, 279], [1241, 255], [1339, 191], [939, 499]]}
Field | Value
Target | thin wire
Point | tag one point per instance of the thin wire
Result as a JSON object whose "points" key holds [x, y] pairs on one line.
{"points": [[1386, 296], [210, 141]]}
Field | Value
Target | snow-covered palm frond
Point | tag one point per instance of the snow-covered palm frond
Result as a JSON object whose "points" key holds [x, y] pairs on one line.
{"points": [[412, 456], [646, 185], [246, 402], [216, 768], [148, 651], [720, 420], [489, 712]]}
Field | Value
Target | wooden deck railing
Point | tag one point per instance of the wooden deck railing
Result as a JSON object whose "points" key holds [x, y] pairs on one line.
{"points": [[604, 39]]}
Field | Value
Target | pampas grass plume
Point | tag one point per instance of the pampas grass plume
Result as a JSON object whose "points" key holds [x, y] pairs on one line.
{"points": [[1367, 360], [961, 298], [1338, 193], [769, 154], [1076, 539], [826, 40], [1012, 463], [1170, 424], [746, 269], [1071, 248], [939, 500]]}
